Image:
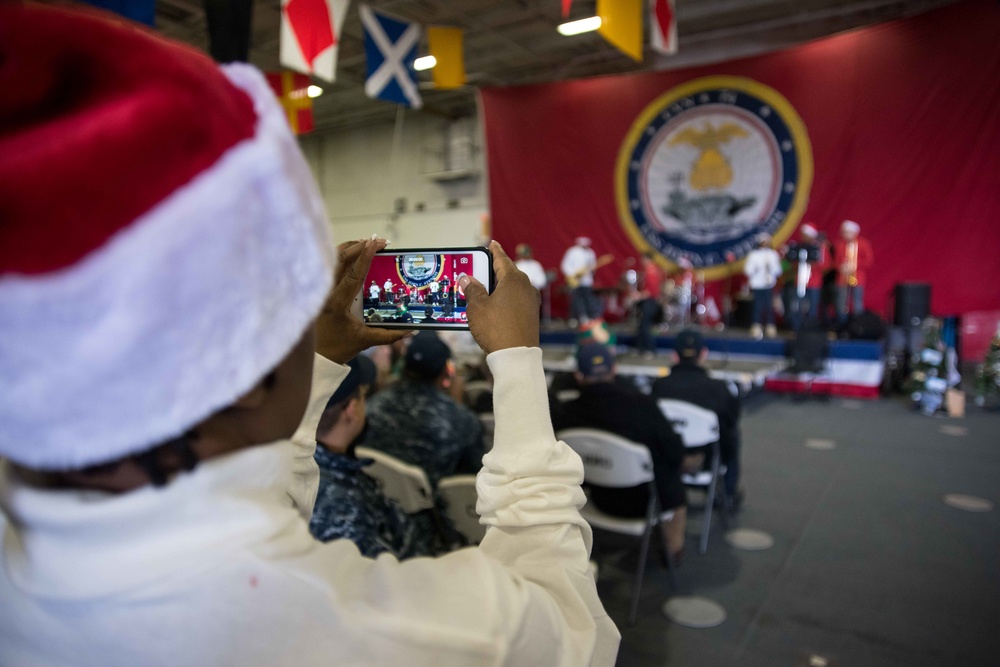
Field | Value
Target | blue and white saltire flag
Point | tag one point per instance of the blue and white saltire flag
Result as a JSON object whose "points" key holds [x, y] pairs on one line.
{"points": [[391, 48]]}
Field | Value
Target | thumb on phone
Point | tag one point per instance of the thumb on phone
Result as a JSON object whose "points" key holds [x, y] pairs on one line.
{"points": [[473, 289]]}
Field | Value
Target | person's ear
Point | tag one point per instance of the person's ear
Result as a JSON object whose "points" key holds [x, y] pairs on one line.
{"points": [[578, 376], [703, 355], [351, 409], [674, 357]]}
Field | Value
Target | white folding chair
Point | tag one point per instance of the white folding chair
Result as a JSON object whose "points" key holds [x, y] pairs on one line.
{"points": [[459, 495], [403, 483], [699, 428], [408, 486], [614, 462]]}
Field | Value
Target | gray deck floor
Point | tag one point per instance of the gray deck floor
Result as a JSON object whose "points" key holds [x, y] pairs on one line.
{"points": [[869, 566]]}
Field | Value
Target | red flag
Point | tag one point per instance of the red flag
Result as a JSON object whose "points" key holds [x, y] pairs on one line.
{"points": [[663, 26], [292, 91]]}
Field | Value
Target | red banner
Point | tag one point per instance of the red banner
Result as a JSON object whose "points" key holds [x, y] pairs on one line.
{"points": [[896, 127]]}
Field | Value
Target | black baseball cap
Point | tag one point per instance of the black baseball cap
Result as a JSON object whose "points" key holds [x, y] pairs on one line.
{"points": [[595, 360], [688, 344], [427, 355], [362, 373]]}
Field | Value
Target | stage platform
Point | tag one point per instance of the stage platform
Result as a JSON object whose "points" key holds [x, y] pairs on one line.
{"points": [[852, 368]]}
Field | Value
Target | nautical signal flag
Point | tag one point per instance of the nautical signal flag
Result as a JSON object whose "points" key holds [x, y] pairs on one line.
{"points": [[310, 34], [445, 44], [293, 92], [621, 25], [662, 26], [391, 48]]}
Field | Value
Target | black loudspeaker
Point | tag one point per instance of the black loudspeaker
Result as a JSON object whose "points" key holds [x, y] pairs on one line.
{"points": [[808, 350], [913, 303], [867, 326]]}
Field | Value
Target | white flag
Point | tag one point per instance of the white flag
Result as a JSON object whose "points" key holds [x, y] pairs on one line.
{"points": [[310, 35], [663, 26]]}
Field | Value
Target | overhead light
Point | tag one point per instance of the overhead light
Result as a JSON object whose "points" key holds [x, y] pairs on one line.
{"points": [[424, 62], [314, 91], [582, 25]]}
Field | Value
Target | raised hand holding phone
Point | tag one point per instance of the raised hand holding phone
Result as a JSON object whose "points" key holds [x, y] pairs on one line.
{"points": [[509, 316], [340, 333]]}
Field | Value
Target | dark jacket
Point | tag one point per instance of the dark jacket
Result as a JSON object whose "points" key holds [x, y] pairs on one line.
{"points": [[690, 382], [631, 415]]}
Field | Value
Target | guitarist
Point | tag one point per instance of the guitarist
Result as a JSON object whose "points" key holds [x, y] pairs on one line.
{"points": [[578, 265]]}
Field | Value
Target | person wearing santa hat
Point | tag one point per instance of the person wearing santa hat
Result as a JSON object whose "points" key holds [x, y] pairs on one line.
{"points": [[853, 257], [165, 286], [818, 252]]}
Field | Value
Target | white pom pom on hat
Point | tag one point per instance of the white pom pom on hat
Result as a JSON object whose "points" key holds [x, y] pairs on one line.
{"points": [[162, 243], [850, 226]]}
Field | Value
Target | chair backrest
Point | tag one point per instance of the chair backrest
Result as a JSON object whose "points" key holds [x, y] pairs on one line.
{"points": [[405, 484], [696, 425], [609, 460], [459, 495]]}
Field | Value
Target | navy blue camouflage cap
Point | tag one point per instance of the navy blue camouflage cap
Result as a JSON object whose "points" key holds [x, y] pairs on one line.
{"points": [[427, 355], [595, 360], [688, 344], [362, 374]]}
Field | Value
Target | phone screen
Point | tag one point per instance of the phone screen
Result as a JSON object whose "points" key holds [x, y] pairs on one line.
{"points": [[419, 288]]}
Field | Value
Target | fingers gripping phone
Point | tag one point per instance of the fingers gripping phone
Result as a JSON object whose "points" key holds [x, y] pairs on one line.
{"points": [[418, 288]]}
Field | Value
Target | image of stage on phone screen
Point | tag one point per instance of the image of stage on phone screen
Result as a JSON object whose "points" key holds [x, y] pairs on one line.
{"points": [[417, 288]]}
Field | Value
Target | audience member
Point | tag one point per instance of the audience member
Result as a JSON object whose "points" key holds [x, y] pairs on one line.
{"points": [[609, 406], [689, 381], [417, 420], [161, 391], [349, 504]]}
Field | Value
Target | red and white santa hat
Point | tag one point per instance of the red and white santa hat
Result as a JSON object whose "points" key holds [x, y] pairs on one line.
{"points": [[162, 242], [809, 231]]}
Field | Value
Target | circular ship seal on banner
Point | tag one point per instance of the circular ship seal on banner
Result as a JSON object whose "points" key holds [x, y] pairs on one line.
{"points": [[419, 270], [709, 167]]}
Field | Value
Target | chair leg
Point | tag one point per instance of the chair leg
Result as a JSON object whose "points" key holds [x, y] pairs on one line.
{"points": [[651, 520], [709, 503]]}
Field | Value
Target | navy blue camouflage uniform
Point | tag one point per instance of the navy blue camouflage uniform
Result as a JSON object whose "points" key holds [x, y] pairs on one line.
{"points": [[420, 425], [350, 506]]}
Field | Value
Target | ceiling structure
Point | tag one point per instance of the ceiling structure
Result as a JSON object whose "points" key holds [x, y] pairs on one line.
{"points": [[512, 42]]}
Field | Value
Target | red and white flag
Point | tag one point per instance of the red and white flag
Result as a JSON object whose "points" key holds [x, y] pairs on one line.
{"points": [[663, 26], [310, 33]]}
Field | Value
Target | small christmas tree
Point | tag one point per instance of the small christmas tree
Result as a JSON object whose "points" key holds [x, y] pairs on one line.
{"points": [[988, 376], [928, 379]]}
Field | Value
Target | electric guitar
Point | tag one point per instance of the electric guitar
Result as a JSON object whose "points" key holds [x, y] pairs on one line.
{"points": [[573, 279]]}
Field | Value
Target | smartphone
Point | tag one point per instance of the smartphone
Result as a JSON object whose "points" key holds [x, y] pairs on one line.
{"points": [[417, 288]]}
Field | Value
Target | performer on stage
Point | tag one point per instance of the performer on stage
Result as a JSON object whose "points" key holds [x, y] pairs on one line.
{"points": [[814, 286], [808, 259], [373, 293], [650, 288], [578, 266], [387, 290], [853, 255], [531, 267], [762, 268], [434, 287]]}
